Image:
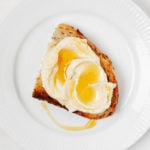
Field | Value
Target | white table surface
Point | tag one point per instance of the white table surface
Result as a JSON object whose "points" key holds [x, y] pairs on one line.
{"points": [[6, 143]]}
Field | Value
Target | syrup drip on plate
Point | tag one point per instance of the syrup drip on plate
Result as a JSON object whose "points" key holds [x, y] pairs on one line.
{"points": [[90, 124]]}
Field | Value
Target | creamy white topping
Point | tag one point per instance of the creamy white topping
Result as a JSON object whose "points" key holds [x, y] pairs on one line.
{"points": [[71, 73]]}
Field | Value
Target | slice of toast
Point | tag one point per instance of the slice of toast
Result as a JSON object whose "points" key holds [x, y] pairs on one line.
{"points": [[62, 31]]}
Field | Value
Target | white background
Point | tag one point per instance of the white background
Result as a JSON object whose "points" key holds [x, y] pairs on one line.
{"points": [[6, 143]]}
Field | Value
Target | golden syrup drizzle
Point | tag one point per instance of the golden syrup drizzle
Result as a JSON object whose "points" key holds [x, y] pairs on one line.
{"points": [[89, 76], [90, 124], [65, 56]]}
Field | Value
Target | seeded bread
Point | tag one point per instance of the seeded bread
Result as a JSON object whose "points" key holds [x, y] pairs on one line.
{"points": [[62, 31]]}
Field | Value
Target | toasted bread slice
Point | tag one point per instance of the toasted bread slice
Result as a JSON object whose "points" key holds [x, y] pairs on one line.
{"points": [[62, 31]]}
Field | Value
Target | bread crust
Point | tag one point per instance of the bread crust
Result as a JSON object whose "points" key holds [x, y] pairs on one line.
{"points": [[62, 31]]}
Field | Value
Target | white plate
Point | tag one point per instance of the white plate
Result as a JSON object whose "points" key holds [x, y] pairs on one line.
{"points": [[119, 28]]}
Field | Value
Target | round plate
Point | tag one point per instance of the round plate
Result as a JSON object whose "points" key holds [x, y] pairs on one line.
{"points": [[119, 28]]}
